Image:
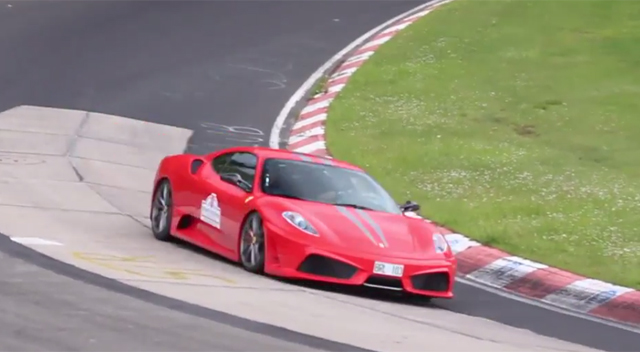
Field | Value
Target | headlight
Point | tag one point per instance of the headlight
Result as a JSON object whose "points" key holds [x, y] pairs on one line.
{"points": [[298, 221], [440, 243]]}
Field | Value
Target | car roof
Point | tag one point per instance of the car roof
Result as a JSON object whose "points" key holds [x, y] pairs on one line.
{"points": [[266, 152]]}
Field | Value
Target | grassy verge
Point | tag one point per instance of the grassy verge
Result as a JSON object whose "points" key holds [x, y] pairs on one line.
{"points": [[320, 86], [516, 123]]}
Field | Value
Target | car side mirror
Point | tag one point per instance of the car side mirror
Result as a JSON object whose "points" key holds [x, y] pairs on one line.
{"points": [[235, 180], [410, 206]]}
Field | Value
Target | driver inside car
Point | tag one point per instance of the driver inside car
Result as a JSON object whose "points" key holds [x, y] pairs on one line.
{"points": [[319, 185], [303, 182]]}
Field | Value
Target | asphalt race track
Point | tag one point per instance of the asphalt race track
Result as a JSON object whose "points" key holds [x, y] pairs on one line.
{"points": [[80, 317], [208, 67]]}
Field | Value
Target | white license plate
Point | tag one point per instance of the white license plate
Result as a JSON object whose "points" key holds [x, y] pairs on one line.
{"points": [[388, 269]]}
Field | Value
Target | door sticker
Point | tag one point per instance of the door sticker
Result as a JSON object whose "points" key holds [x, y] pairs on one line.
{"points": [[210, 211]]}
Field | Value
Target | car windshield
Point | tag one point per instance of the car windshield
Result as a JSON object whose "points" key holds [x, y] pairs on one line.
{"points": [[325, 183]]}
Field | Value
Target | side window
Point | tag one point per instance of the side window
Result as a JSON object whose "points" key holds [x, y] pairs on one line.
{"points": [[220, 162], [195, 166], [243, 164]]}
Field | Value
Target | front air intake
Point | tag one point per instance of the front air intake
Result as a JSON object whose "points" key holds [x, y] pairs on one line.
{"points": [[319, 265], [436, 282]]}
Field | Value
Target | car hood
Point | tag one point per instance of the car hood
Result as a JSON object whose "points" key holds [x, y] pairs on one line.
{"points": [[371, 232]]}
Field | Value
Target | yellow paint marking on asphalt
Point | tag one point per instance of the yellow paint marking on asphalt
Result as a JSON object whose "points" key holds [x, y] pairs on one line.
{"points": [[144, 266], [113, 258]]}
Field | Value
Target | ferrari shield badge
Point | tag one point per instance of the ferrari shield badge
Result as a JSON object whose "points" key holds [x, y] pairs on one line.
{"points": [[210, 211]]}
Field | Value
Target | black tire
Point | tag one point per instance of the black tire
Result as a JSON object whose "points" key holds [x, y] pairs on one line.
{"points": [[162, 212], [252, 238]]}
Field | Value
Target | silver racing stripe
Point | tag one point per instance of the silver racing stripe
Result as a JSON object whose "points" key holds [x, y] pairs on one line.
{"points": [[357, 222], [373, 224]]}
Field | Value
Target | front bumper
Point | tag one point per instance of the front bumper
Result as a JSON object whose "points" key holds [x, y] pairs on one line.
{"points": [[288, 257]]}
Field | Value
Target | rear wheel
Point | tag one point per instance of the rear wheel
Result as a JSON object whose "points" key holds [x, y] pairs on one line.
{"points": [[252, 244], [161, 212]]}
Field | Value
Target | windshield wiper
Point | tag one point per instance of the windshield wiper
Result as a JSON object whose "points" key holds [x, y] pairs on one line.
{"points": [[351, 205]]}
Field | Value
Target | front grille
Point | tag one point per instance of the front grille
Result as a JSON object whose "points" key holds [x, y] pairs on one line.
{"points": [[319, 265], [384, 282], [437, 282]]}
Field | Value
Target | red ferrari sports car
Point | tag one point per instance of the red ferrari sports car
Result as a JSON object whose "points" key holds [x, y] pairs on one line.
{"points": [[300, 216]]}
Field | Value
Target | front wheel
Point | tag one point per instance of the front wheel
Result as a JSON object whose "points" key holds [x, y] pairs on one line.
{"points": [[161, 212], [252, 244]]}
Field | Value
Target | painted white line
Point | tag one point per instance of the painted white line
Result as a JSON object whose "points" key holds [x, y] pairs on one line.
{"points": [[361, 57], [317, 131], [585, 295], [309, 121], [36, 241], [377, 42], [459, 243], [504, 271], [343, 73], [323, 104], [420, 14], [274, 138], [397, 27], [310, 148], [548, 306], [335, 88]]}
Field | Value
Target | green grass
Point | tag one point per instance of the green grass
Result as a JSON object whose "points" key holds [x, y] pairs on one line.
{"points": [[320, 86], [516, 123]]}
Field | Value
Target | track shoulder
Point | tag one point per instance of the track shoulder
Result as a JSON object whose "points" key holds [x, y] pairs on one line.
{"points": [[121, 317]]}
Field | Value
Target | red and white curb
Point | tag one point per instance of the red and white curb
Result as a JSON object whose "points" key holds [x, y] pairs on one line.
{"points": [[478, 263]]}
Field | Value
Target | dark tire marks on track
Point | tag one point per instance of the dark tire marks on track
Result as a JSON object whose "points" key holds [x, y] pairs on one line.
{"points": [[182, 63], [476, 302], [48, 305]]}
